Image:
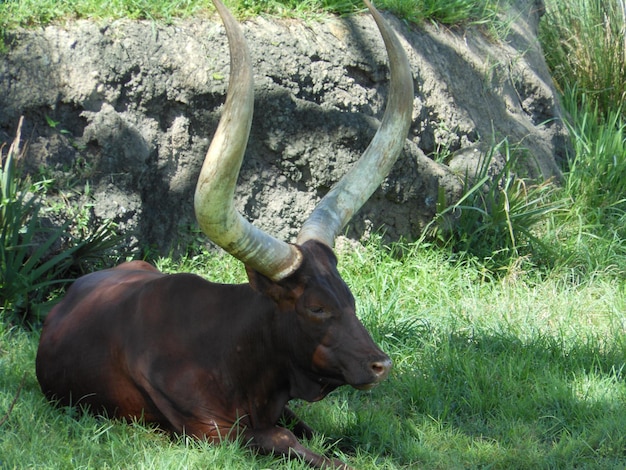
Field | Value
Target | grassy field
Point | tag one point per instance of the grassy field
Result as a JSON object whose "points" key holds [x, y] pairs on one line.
{"points": [[517, 372], [511, 360]]}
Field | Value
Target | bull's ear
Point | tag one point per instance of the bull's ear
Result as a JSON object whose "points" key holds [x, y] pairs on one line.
{"points": [[264, 284]]}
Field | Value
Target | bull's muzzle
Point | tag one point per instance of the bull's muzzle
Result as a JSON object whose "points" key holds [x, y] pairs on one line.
{"points": [[380, 370]]}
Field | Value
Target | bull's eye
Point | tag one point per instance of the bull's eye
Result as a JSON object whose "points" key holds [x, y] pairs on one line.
{"points": [[317, 312]]}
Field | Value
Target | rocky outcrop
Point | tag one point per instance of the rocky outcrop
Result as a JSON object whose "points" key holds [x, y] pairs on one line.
{"points": [[130, 108]]}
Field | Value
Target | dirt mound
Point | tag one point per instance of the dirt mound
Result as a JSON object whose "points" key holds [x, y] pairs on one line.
{"points": [[130, 108]]}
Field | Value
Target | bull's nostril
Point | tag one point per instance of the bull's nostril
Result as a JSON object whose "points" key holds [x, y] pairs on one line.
{"points": [[381, 368]]}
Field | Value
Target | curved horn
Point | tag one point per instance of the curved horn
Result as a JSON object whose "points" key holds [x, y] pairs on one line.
{"points": [[339, 205], [214, 196]]}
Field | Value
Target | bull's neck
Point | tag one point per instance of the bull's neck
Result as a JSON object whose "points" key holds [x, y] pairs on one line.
{"points": [[263, 359], [257, 383]]}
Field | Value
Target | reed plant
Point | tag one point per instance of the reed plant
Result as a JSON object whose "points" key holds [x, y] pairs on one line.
{"points": [[585, 45]]}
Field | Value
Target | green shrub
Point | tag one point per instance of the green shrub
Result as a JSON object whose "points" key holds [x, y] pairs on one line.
{"points": [[496, 215], [35, 259]]}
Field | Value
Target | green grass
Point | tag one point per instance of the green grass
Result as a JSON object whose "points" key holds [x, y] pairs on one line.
{"points": [[520, 366], [35, 260], [519, 372], [585, 44], [27, 13]]}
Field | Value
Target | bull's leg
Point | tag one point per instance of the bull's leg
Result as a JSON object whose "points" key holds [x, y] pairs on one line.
{"points": [[277, 440], [298, 427]]}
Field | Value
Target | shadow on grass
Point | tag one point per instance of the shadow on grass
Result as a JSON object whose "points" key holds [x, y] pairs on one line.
{"points": [[481, 399], [456, 399]]}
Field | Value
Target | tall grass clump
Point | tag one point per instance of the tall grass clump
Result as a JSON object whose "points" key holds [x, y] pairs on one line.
{"points": [[597, 170], [35, 258], [495, 219], [585, 46], [592, 233]]}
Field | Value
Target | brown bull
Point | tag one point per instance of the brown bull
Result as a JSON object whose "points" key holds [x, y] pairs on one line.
{"points": [[217, 361]]}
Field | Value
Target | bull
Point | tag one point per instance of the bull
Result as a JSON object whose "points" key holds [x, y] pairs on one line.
{"points": [[218, 361]]}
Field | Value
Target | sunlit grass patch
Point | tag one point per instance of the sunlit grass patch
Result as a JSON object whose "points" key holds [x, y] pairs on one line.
{"points": [[506, 373]]}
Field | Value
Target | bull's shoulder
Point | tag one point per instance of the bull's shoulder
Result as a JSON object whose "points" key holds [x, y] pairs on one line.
{"points": [[124, 274], [136, 265]]}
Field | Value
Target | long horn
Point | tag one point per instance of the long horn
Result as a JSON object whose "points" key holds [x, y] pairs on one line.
{"points": [[339, 205], [214, 197]]}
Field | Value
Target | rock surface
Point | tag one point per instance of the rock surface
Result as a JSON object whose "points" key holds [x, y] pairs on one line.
{"points": [[129, 108]]}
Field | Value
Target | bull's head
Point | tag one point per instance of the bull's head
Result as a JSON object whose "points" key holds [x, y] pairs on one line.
{"points": [[302, 278]]}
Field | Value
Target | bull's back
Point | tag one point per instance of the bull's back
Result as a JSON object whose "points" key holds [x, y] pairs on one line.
{"points": [[120, 337], [79, 359]]}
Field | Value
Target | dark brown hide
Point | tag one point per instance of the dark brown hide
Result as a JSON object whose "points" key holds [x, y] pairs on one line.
{"points": [[204, 358], [216, 361]]}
